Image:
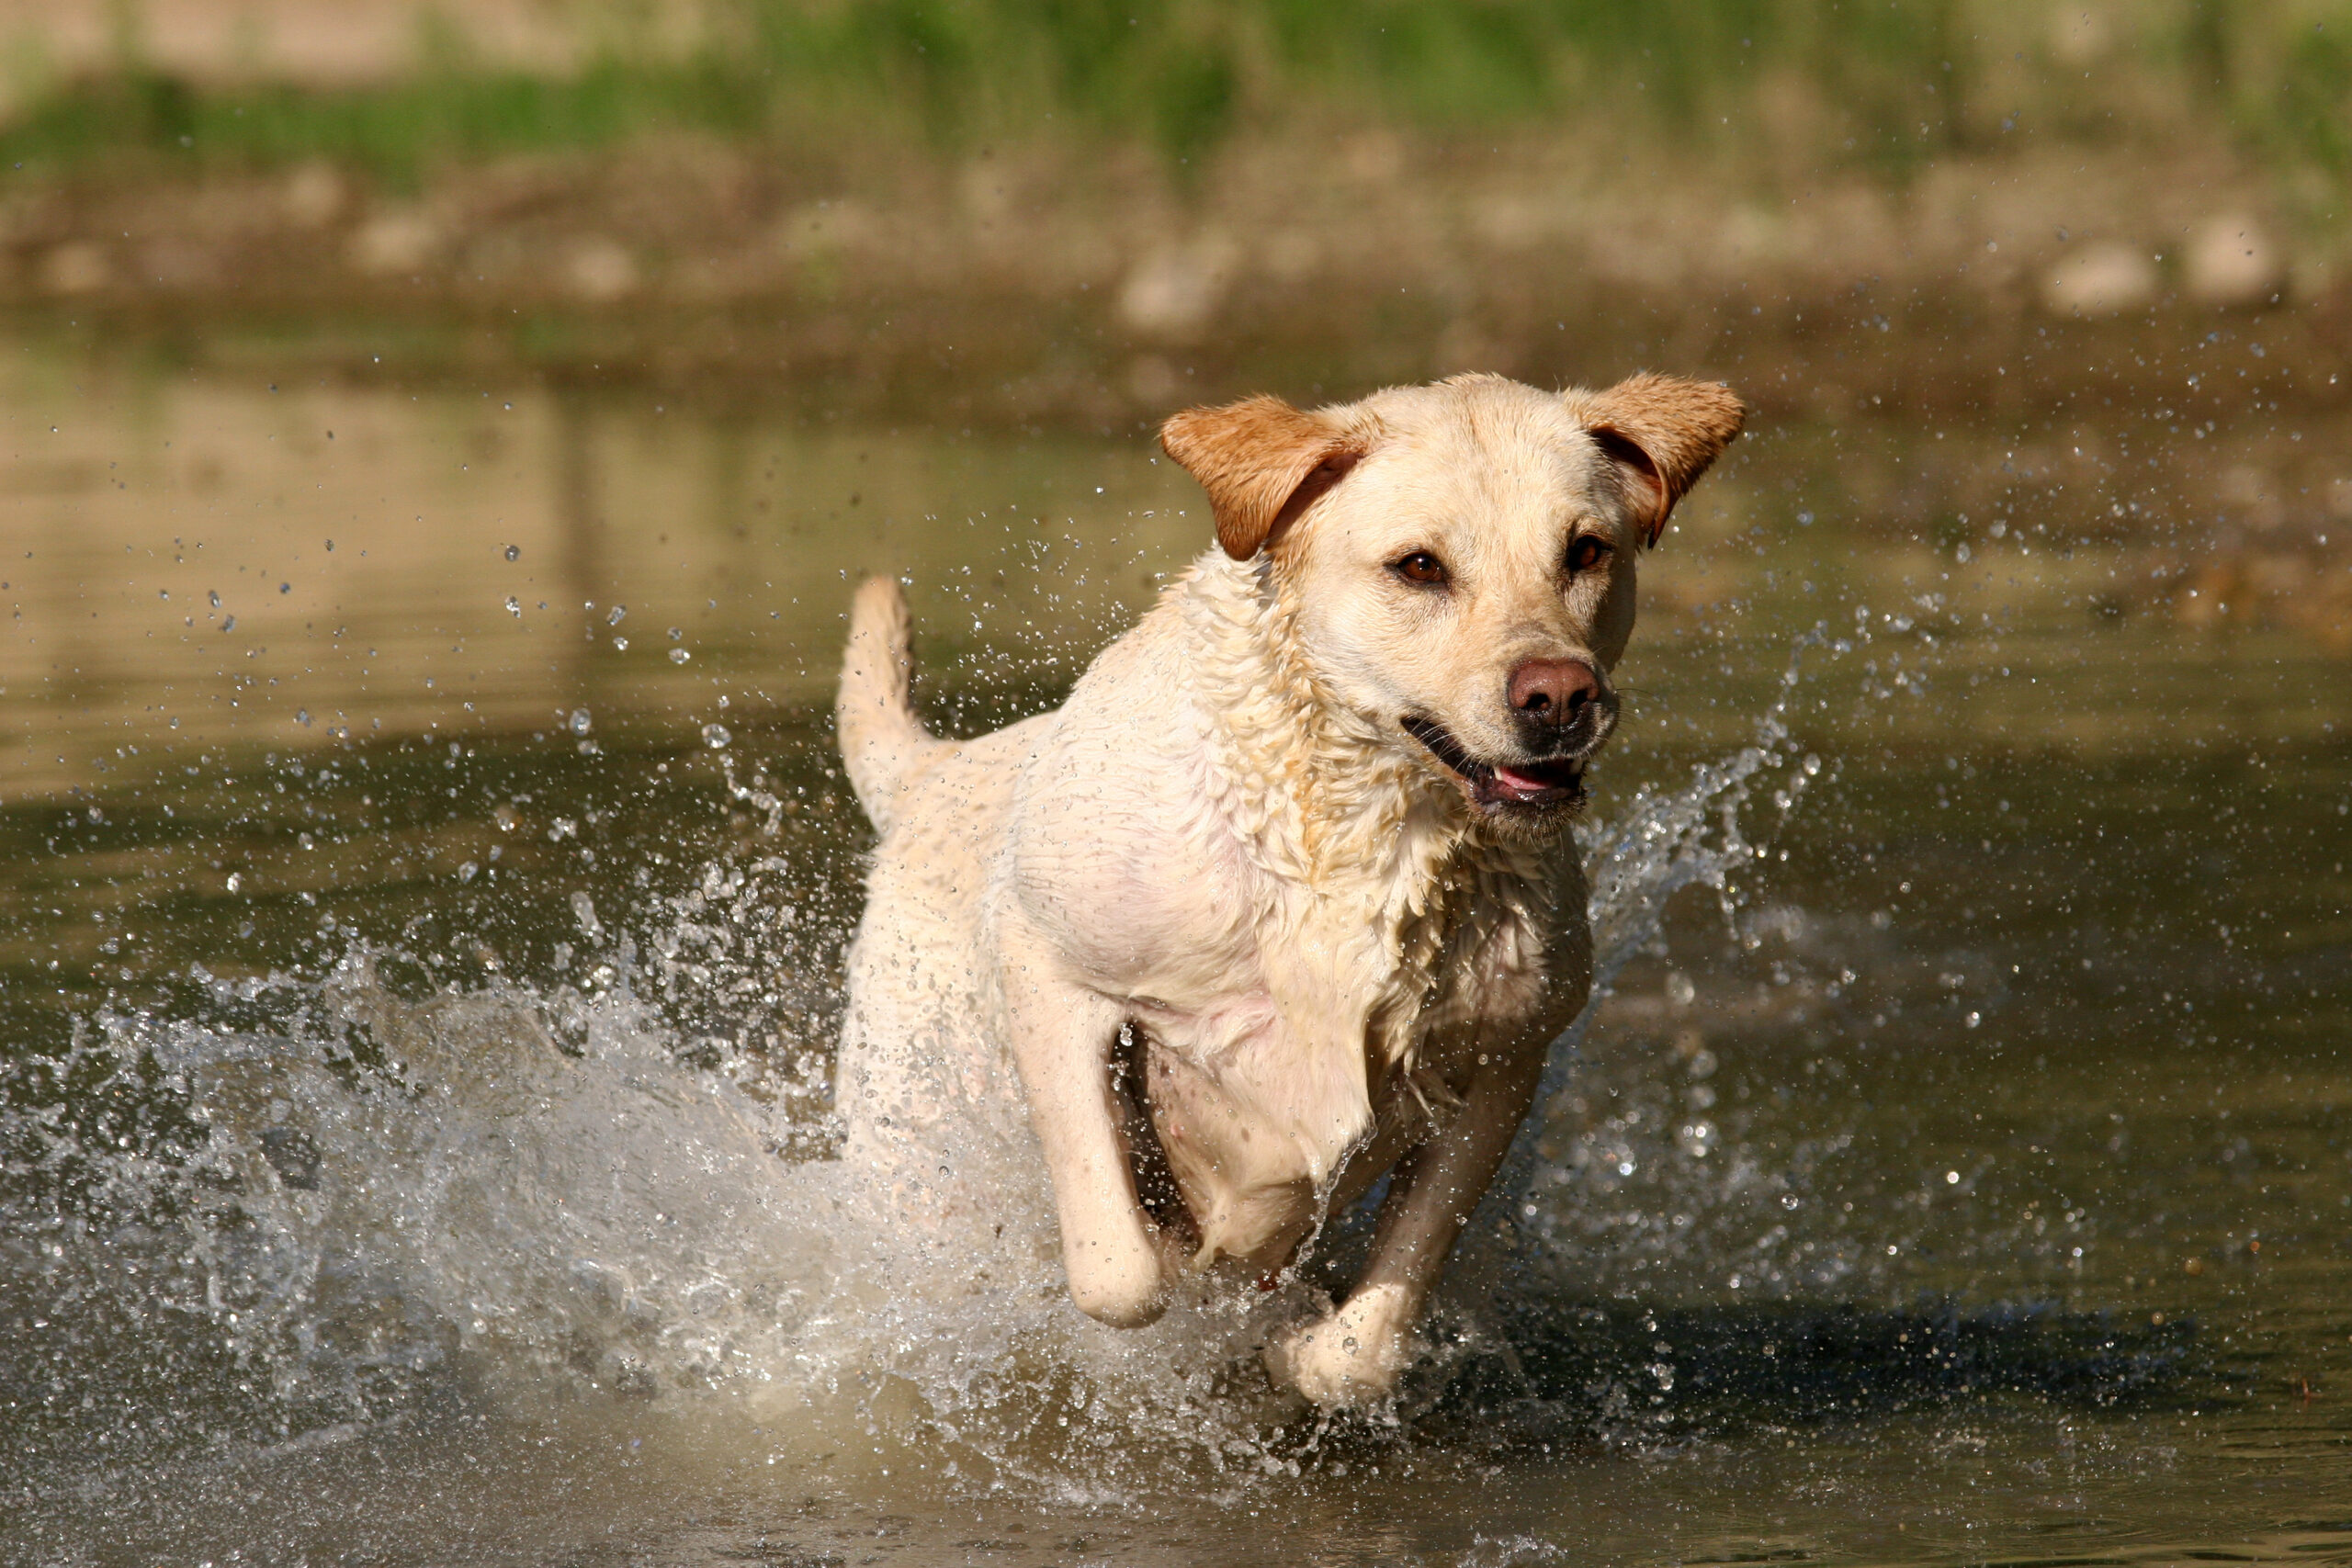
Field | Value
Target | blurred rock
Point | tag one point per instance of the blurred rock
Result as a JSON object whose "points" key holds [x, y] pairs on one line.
{"points": [[179, 266], [2105, 277], [77, 267], [1754, 236], [986, 191], [395, 243], [2290, 585], [1512, 221], [2249, 493], [600, 270], [1176, 290], [315, 196], [2232, 261], [1374, 157]]}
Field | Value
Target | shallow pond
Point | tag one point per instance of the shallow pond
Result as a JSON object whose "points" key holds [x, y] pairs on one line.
{"points": [[426, 879]]}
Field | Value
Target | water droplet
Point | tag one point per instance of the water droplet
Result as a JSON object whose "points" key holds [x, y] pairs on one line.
{"points": [[613, 618], [514, 605], [303, 718], [715, 736], [579, 721], [513, 552], [679, 656], [216, 598], [229, 624], [236, 880], [675, 635], [468, 872], [620, 645]]}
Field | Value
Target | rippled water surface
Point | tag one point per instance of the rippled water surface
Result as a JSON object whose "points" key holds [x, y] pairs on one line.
{"points": [[424, 884]]}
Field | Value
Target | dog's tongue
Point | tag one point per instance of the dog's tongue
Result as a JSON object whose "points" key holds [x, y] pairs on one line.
{"points": [[1522, 786]]}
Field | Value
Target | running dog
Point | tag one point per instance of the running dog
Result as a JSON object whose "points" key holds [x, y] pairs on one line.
{"points": [[1283, 897]]}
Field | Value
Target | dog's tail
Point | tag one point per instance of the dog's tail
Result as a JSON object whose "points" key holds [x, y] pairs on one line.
{"points": [[883, 743]]}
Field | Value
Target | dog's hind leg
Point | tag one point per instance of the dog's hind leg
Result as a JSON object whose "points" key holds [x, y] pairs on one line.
{"points": [[1063, 1037]]}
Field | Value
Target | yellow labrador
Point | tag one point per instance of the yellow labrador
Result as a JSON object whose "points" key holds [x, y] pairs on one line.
{"points": [[1282, 897]]}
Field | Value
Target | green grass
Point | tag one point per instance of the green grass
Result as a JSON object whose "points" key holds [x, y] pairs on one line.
{"points": [[1890, 82]]}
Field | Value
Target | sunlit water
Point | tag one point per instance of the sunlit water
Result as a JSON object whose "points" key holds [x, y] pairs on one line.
{"points": [[419, 997]]}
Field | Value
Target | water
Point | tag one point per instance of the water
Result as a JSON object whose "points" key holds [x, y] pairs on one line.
{"points": [[416, 1134]]}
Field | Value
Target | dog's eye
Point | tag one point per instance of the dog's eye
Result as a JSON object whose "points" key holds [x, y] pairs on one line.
{"points": [[1420, 567], [1586, 552]]}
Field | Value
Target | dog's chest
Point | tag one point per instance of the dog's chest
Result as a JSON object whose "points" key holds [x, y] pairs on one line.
{"points": [[1323, 993], [1358, 1019], [1460, 949]]}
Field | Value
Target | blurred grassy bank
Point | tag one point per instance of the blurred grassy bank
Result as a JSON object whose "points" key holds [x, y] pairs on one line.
{"points": [[1068, 210], [1801, 87]]}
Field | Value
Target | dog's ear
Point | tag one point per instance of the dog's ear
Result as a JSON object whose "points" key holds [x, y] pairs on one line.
{"points": [[1263, 463], [1661, 432]]}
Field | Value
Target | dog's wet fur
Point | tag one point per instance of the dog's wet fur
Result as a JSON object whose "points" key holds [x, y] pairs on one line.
{"points": [[1282, 899]]}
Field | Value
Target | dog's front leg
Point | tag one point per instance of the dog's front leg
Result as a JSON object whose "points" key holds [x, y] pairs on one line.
{"points": [[1356, 1354], [1063, 1033]]}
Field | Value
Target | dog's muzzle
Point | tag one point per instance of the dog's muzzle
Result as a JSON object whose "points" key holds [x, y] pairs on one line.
{"points": [[1540, 784]]}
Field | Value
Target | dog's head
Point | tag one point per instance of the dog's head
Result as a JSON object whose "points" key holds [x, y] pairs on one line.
{"points": [[1460, 557]]}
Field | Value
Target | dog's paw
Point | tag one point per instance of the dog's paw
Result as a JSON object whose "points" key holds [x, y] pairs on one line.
{"points": [[1117, 1280], [1352, 1357]]}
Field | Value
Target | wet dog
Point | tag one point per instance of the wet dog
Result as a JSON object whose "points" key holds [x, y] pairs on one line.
{"points": [[1282, 897]]}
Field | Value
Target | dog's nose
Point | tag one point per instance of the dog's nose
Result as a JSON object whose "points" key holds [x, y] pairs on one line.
{"points": [[1553, 691]]}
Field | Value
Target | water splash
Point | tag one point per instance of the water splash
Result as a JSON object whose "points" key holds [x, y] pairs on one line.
{"points": [[1664, 841], [344, 1201]]}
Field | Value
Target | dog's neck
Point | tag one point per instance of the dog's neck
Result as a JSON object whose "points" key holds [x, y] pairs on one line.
{"points": [[1369, 859], [1320, 797]]}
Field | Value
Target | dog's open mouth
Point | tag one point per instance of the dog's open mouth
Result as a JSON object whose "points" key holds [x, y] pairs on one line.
{"points": [[1495, 786]]}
